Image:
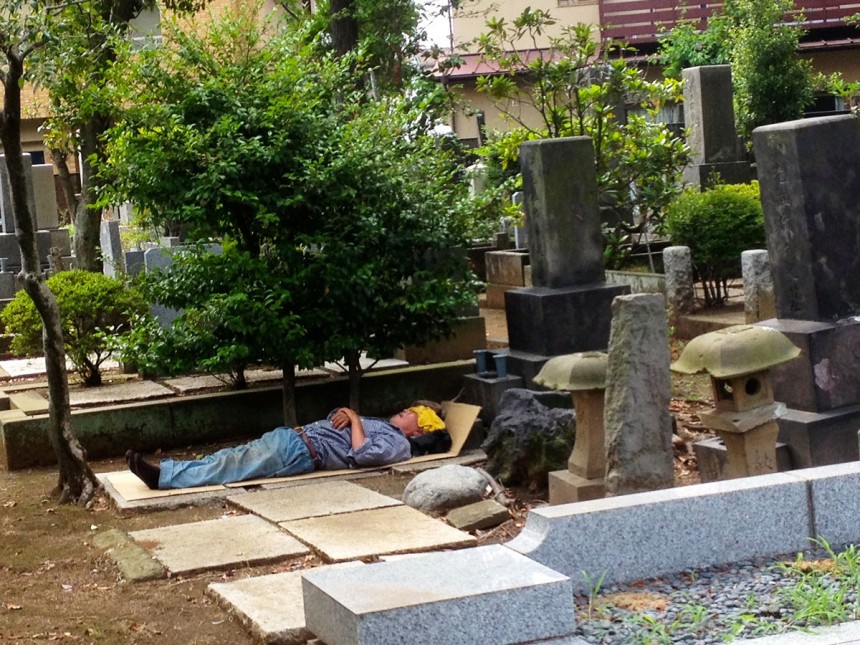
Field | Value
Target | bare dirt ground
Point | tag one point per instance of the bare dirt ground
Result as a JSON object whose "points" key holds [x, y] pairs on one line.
{"points": [[56, 586]]}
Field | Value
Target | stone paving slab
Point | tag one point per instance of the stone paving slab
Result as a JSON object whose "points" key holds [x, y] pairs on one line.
{"points": [[397, 529], [119, 393], [271, 606], [451, 597], [311, 500], [218, 544]]}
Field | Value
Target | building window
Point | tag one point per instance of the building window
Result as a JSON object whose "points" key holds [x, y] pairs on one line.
{"points": [[37, 157]]}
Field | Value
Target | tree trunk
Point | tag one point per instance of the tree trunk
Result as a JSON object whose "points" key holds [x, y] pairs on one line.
{"points": [[59, 157], [289, 395], [354, 367], [344, 26], [87, 217], [76, 480]]}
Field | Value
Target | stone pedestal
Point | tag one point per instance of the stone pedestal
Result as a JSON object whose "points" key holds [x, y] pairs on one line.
{"points": [[560, 321], [821, 438], [486, 391], [712, 459], [729, 172], [468, 335], [566, 488], [752, 452], [758, 286]]}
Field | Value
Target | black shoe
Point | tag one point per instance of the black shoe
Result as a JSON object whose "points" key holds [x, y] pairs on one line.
{"points": [[145, 471]]}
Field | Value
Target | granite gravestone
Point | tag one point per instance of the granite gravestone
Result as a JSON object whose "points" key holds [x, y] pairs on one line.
{"points": [[810, 184], [710, 120], [7, 217], [567, 309], [111, 244]]}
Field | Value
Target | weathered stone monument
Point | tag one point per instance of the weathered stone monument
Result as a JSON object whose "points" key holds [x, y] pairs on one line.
{"points": [[637, 422], [7, 218], [111, 245], [810, 185], [567, 309], [710, 119]]}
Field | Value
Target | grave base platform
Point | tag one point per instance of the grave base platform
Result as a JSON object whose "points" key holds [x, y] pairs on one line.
{"points": [[565, 487], [729, 172], [526, 365], [821, 438], [823, 377], [561, 321]]}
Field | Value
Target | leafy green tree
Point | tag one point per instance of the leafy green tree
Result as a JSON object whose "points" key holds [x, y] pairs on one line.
{"points": [[24, 29], [73, 67], [338, 207], [578, 89], [771, 82], [94, 309]]}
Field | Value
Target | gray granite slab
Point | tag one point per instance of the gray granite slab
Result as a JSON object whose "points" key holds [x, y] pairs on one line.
{"points": [[311, 500], [649, 534], [835, 512], [396, 529], [452, 597], [217, 544], [271, 606]]}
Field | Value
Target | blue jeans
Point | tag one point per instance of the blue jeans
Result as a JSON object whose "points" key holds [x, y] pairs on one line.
{"points": [[278, 453]]}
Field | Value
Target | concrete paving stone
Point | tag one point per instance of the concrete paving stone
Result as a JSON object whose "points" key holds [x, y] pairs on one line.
{"points": [[135, 564], [29, 402], [833, 490], [271, 606], [218, 544], [311, 500], [660, 532], [118, 393], [450, 597], [397, 529]]}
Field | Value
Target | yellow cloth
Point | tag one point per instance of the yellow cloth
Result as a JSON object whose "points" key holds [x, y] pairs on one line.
{"points": [[428, 420]]}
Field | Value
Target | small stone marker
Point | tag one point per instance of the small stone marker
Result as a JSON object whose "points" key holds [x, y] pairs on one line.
{"points": [[637, 422], [758, 286], [45, 195], [481, 515], [111, 245], [678, 267], [135, 564]]}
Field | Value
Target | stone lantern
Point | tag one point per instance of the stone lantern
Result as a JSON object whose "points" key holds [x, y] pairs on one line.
{"points": [[738, 360], [583, 375]]}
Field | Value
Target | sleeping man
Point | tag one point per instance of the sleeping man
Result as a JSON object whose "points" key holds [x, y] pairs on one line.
{"points": [[343, 440]]}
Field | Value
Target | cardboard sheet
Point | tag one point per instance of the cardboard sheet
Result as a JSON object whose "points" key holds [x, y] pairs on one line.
{"points": [[459, 419]]}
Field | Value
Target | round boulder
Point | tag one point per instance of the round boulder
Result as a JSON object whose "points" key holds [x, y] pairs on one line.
{"points": [[445, 488]]}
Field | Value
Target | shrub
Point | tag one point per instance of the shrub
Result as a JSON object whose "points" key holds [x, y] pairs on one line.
{"points": [[94, 309], [718, 225]]}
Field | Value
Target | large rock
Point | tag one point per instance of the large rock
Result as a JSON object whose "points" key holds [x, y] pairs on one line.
{"points": [[528, 440], [444, 488]]}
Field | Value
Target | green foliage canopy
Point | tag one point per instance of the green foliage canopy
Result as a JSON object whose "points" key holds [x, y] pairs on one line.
{"points": [[718, 225], [94, 309]]}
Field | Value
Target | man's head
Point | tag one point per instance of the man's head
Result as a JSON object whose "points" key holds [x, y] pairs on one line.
{"points": [[407, 422]]}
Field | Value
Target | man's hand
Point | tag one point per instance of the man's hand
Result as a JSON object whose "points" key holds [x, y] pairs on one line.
{"points": [[346, 418], [343, 418]]}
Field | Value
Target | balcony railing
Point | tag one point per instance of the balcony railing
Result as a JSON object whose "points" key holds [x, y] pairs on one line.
{"points": [[640, 21]]}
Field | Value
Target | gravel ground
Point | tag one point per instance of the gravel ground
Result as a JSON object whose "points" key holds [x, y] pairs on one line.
{"points": [[704, 606]]}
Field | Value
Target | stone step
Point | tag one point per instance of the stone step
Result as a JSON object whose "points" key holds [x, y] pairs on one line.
{"points": [[483, 595]]}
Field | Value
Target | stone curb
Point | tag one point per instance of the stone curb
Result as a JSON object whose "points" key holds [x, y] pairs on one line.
{"points": [[135, 564]]}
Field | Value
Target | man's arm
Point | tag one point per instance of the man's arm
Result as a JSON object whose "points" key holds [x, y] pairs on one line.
{"points": [[344, 417]]}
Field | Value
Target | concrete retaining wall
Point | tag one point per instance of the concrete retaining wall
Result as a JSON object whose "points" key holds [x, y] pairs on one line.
{"points": [[181, 421]]}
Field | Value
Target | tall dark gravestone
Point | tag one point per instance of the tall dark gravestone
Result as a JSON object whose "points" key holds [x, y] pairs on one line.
{"points": [[569, 307], [809, 173]]}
